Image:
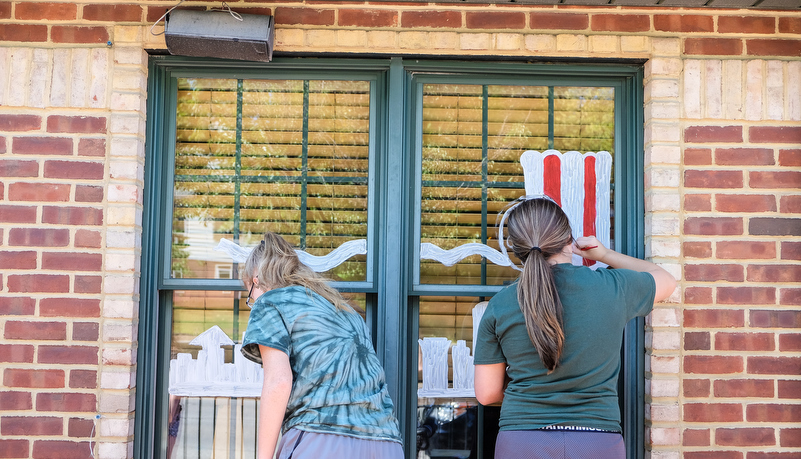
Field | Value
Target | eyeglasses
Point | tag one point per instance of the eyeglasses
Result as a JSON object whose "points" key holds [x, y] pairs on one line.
{"points": [[250, 300]]}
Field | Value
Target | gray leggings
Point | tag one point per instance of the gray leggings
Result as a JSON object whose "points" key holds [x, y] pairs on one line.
{"points": [[553, 444]]}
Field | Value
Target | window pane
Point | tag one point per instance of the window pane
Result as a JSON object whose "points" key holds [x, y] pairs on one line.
{"points": [[473, 137], [289, 156]]}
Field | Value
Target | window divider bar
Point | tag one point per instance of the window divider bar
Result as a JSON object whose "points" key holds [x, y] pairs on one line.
{"points": [[305, 165], [484, 172]]}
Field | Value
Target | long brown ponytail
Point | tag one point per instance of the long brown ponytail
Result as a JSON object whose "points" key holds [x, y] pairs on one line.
{"points": [[538, 229]]}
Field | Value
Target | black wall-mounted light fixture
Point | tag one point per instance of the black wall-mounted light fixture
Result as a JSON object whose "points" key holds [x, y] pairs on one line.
{"points": [[220, 33]]}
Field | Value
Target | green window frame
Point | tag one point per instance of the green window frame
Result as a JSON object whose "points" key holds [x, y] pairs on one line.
{"points": [[392, 287]]}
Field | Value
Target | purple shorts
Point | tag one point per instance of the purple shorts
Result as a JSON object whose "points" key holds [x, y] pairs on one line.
{"points": [[552, 444], [313, 445]]}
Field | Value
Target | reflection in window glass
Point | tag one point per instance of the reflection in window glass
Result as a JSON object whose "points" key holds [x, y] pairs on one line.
{"points": [[289, 156], [472, 140]]}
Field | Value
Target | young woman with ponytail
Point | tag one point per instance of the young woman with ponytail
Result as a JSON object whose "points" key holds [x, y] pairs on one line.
{"points": [[548, 346], [324, 387]]}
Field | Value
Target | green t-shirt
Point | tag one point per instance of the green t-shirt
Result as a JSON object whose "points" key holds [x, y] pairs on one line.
{"points": [[582, 390]]}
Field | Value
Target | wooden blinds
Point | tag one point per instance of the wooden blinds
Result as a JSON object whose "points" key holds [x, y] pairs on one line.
{"points": [[289, 156], [473, 136]]}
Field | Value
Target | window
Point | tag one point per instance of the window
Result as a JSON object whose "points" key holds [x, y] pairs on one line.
{"points": [[395, 155]]}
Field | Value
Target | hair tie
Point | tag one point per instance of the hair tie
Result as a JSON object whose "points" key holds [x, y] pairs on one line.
{"points": [[535, 248]]}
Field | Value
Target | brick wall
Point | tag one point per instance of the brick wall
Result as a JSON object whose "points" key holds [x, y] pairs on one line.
{"points": [[723, 172]]}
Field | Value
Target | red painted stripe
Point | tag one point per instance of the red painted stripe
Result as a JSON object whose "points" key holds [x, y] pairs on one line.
{"points": [[552, 178], [589, 200]]}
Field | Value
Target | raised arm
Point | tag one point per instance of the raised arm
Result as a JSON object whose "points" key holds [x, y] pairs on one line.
{"points": [[274, 397], [590, 248]]}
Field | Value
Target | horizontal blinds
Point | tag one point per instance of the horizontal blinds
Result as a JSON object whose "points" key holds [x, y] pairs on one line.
{"points": [[289, 156]]}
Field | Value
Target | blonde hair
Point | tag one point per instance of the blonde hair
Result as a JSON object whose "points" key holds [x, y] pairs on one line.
{"points": [[276, 264], [538, 229]]}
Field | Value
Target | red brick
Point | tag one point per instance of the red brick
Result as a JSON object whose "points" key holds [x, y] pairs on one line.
{"points": [[16, 401], [5, 10], [703, 134], [744, 157], [38, 237], [713, 46], [744, 388], [75, 34], [30, 425], [746, 295], [20, 122], [84, 193], [698, 295], [695, 437], [791, 250], [744, 342], [745, 203], [775, 134], [773, 413], [683, 23], [763, 47], [790, 438], [81, 427], [790, 296], [53, 192], [16, 353], [746, 24], [697, 156], [695, 387], [304, 16], [777, 179], [790, 342], [711, 226], [23, 32], [712, 364], [41, 146], [697, 202], [439, 19], [14, 168], [790, 25], [39, 378], [69, 307], [774, 366], [13, 448], [713, 412], [85, 331], [2, 144], [113, 13], [72, 261], [368, 18], [38, 283], [761, 318], [58, 449], [92, 147], [790, 158], [774, 273], [787, 388], [83, 379], [743, 250], [83, 216], [790, 204], [17, 306], [620, 22], [560, 21], [714, 318], [66, 402], [39, 10], [17, 214], [35, 330], [714, 272], [495, 20], [18, 260], [85, 170], [774, 226], [76, 124], [745, 436], [697, 341], [88, 284], [697, 249], [87, 239]]}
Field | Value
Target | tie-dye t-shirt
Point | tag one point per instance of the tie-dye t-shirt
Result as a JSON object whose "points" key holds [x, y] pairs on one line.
{"points": [[338, 383]]}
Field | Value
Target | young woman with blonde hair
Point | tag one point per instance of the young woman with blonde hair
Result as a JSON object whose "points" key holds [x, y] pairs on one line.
{"points": [[323, 386], [548, 346]]}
